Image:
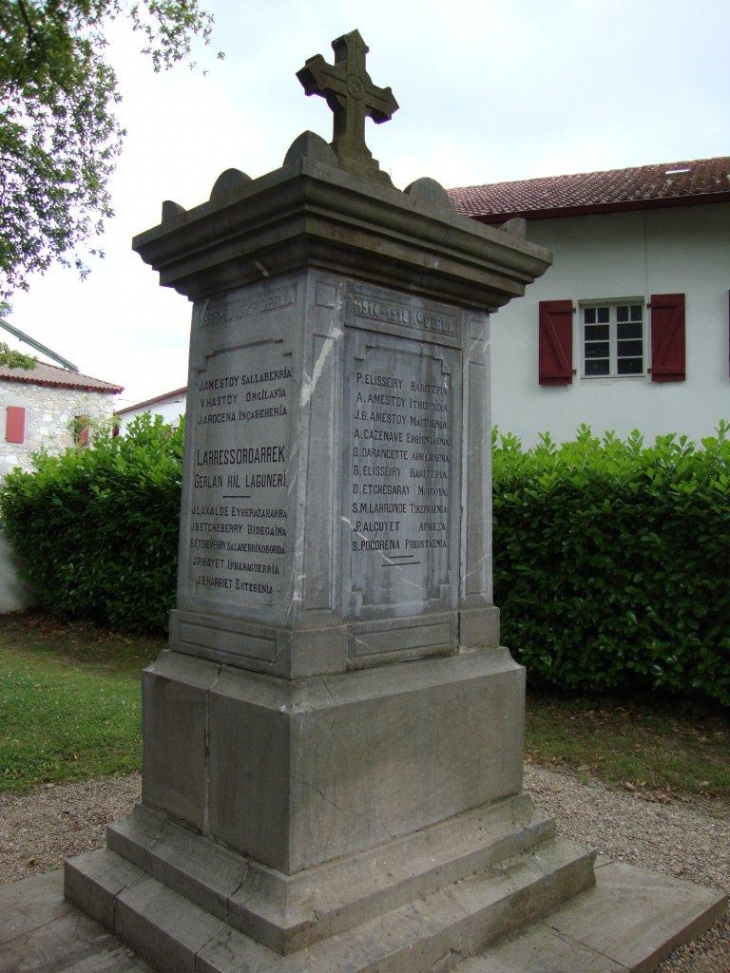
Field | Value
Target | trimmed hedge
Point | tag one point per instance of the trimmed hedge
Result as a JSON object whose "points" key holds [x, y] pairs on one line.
{"points": [[612, 561], [98, 526], [611, 558]]}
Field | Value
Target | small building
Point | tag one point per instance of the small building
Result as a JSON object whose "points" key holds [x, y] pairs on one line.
{"points": [[169, 405], [48, 408], [629, 327]]}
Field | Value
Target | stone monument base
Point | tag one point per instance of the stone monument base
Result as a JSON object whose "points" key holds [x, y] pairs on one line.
{"points": [[366, 821], [418, 903]]}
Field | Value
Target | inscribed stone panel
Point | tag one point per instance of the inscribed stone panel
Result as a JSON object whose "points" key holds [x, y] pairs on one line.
{"points": [[401, 482], [240, 408]]}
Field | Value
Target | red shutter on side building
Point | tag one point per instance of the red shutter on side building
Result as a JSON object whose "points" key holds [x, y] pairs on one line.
{"points": [[15, 424], [556, 342], [668, 356]]}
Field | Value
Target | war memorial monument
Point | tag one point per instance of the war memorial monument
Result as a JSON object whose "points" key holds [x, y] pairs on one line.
{"points": [[332, 776]]}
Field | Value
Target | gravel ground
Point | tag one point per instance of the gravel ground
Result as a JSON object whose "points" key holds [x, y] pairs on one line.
{"points": [[689, 840]]}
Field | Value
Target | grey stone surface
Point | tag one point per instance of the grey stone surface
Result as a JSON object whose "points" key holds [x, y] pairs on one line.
{"points": [[93, 882], [621, 930], [313, 214], [229, 182], [164, 927], [631, 920], [132, 837], [457, 920], [174, 767], [335, 479], [292, 774], [431, 192], [290, 912], [352, 96], [42, 933], [310, 146], [24, 906]]}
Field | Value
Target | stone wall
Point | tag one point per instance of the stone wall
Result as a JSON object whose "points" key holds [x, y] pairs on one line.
{"points": [[49, 416]]}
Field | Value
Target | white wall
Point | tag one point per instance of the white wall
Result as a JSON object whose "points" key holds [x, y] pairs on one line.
{"points": [[15, 594], [171, 411], [679, 250]]}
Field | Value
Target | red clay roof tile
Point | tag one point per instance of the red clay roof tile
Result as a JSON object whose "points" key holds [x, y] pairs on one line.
{"points": [[44, 374], [665, 184]]}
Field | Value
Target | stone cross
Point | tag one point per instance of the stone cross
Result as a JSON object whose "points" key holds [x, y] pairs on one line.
{"points": [[348, 90]]}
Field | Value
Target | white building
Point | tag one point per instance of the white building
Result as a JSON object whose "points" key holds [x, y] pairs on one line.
{"points": [[169, 405], [629, 327], [48, 408]]}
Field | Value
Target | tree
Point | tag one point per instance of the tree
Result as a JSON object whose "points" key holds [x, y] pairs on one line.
{"points": [[9, 358], [59, 137]]}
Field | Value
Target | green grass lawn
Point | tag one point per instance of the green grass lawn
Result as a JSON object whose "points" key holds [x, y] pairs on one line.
{"points": [[70, 710], [69, 702], [659, 746]]}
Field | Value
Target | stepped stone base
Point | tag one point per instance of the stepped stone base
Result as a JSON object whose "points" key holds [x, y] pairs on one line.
{"points": [[287, 913], [629, 921], [420, 903], [422, 900]]}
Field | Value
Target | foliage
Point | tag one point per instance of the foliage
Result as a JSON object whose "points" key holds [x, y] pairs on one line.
{"points": [[97, 526], [59, 137], [611, 561], [15, 359]]}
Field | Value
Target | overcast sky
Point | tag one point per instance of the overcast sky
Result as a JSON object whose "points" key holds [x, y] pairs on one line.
{"points": [[489, 90]]}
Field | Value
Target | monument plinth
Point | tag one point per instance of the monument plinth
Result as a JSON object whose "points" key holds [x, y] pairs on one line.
{"points": [[333, 741]]}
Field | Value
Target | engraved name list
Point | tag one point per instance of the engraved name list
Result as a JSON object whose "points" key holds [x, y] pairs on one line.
{"points": [[401, 478], [239, 508]]}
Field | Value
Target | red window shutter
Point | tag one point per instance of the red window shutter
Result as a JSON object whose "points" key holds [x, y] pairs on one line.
{"points": [[556, 342], [667, 338], [15, 424]]}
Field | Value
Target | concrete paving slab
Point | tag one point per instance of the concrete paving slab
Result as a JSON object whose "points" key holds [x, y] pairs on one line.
{"points": [[642, 915], [40, 932], [543, 951], [630, 921], [24, 906]]}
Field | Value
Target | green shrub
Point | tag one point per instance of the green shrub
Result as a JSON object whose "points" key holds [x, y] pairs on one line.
{"points": [[98, 526], [612, 561]]}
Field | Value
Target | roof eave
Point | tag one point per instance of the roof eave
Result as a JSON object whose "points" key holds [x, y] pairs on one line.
{"points": [[594, 209], [74, 386]]}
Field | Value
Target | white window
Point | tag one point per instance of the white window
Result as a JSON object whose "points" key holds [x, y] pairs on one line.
{"points": [[613, 339]]}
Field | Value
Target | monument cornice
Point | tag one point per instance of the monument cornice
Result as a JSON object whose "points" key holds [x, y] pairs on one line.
{"points": [[316, 215]]}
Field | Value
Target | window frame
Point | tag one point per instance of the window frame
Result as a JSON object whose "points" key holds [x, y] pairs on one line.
{"points": [[614, 303]]}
